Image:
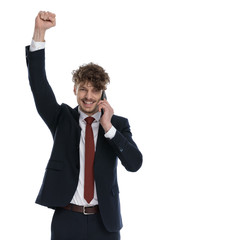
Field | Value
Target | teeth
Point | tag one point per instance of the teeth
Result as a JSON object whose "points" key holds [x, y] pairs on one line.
{"points": [[88, 102]]}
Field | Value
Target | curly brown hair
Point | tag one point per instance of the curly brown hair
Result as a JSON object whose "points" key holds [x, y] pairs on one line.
{"points": [[92, 73]]}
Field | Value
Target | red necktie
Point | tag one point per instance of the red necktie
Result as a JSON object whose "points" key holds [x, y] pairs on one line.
{"points": [[89, 159]]}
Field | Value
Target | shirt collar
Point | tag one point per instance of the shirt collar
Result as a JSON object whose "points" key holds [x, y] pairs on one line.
{"points": [[83, 115]]}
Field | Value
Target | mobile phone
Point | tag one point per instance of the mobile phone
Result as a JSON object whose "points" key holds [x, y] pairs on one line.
{"points": [[103, 95], [102, 98]]}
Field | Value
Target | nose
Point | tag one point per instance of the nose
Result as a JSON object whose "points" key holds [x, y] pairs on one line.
{"points": [[88, 95]]}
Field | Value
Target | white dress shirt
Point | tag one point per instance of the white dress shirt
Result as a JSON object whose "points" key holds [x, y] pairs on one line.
{"points": [[78, 197]]}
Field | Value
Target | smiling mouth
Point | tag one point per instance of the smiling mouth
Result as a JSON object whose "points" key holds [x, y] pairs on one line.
{"points": [[88, 103]]}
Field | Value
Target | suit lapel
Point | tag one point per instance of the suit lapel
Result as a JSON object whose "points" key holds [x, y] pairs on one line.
{"points": [[76, 114], [100, 141]]}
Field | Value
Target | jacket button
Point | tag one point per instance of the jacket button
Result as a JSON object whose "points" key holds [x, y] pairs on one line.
{"points": [[121, 150]]}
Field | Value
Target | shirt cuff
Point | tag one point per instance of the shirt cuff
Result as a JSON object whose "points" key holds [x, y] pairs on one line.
{"points": [[111, 133], [36, 46]]}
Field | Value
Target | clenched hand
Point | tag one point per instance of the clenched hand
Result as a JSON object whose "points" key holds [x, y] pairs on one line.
{"points": [[43, 21]]}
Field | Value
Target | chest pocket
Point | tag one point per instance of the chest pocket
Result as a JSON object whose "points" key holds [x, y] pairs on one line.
{"points": [[55, 165]]}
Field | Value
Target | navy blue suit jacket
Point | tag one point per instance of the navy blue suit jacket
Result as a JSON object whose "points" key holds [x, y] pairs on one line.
{"points": [[62, 171]]}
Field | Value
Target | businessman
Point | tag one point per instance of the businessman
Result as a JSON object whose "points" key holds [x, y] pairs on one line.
{"points": [[80, 181]]}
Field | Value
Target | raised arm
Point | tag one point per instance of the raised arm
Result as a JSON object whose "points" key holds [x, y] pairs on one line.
{"points": [[45, 100]]}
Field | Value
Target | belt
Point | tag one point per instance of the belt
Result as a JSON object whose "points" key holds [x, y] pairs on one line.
{"points": [[82, 209]]}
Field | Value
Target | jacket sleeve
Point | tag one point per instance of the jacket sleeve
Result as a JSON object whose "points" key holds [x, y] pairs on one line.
{"points": [[44, 98], [126, 149]]}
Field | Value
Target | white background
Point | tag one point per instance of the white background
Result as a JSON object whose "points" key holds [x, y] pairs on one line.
{"points": [[174, 68]]}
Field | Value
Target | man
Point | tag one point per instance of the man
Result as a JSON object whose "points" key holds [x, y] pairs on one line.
{"points": [[80, 180]]}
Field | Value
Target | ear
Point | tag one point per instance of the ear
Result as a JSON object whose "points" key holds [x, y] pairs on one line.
{"points": [[75, 89]]}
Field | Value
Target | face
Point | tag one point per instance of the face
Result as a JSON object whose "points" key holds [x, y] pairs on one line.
{"points": [[87, 97]]}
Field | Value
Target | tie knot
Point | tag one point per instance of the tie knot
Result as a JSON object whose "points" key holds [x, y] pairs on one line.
{"points": [[89, 120]]}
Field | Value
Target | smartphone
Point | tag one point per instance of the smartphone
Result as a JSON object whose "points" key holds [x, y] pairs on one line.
{"points": [[102, 98], [103, 95]]}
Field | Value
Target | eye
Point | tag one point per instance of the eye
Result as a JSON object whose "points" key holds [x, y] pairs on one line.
{"points": [[95, 90]]}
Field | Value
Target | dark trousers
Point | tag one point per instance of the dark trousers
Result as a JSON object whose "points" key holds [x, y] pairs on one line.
{"points": [[68, 225]]}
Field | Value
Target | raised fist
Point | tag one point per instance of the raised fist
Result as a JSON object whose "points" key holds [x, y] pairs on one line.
{"points": [[43, 21]]}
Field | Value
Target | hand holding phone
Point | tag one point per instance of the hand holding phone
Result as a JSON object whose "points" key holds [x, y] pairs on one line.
{"points": [[104, 96], [107, 113]]}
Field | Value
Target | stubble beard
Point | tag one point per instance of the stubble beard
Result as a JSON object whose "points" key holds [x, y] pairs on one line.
{"points": [[89, 112]]}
